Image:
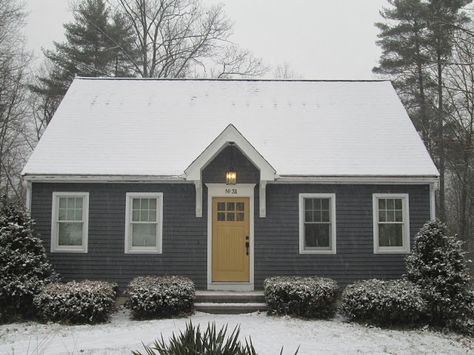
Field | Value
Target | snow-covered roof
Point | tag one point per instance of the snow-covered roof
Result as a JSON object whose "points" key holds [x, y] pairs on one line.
{"points": [[301, 128]]}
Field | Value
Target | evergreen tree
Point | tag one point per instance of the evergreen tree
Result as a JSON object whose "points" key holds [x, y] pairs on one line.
{"points": [[416, 41], [24, 267], [98, 43], [438, 265]]}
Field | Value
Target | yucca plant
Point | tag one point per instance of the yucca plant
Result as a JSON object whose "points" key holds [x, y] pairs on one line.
{"points": [[210, 342]]}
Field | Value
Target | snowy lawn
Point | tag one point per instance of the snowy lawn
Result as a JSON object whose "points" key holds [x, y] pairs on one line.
{"points": [[122, 335]]}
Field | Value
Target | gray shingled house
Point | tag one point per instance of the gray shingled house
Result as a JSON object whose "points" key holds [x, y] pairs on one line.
{"points": [[229, 181]]}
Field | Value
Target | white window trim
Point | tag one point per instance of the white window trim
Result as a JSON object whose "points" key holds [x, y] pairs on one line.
{"points": [[405, 248], [55, 247], [159, 219], [332, 203]]}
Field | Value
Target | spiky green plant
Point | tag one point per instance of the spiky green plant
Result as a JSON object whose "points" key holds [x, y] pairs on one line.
{"points": [[210, 342]]}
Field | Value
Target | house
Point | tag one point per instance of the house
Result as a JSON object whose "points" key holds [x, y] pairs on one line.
{"points": [[229, 181]]}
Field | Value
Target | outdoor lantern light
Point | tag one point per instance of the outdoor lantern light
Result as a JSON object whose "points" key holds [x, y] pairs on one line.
{"points": [[230, 177], [231, 174]]}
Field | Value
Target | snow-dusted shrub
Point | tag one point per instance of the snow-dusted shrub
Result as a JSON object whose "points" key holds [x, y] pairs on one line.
{"points": [[160, 296], [76, 302], [308, 297], [396, 302], [438, 265], [24, 267], [209, 342]]}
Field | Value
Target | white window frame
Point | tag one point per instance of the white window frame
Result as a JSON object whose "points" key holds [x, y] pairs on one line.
{"points": [[55, 247], [405, 248], [332, 217], [159, 220]]}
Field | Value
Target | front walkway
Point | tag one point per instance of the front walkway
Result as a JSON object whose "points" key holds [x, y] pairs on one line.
{"points": [[122, 335]]}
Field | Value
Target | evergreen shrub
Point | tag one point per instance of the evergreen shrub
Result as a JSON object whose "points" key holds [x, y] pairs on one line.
{"points": [[383, 303], [160, 296], [307, 297], [76, 302]]}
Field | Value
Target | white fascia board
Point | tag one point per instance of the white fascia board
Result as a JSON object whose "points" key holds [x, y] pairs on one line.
{"points": [[103, 178], [377, 180], [230, 134]]}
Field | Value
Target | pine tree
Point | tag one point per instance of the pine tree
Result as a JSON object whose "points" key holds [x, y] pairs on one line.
{"points": [[416, 42], [438, 265], [98, 43], [24, 267]]}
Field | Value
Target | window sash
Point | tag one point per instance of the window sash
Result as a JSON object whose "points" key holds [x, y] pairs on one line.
{"points": [[62, 239], [391, 203], [317, 209], [151, 205]]}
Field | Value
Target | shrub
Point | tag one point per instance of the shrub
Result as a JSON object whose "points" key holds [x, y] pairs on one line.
{"points": [[308, 297], [397, 302], [76, 302], [24, 267], [438, 265], [192, 341], [160, 296]]}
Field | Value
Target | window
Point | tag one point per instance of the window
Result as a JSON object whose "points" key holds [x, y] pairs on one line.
{"points": [[69, 227], [317, 223], [143, 222], [391, 223]]}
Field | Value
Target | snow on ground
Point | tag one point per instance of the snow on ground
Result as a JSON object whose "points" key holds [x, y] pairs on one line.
{"points": [[269, 334]]}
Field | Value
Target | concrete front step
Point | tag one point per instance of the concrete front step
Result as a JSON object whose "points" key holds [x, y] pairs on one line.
{"points": [[229, 302], [229, 297], [229, 308]]}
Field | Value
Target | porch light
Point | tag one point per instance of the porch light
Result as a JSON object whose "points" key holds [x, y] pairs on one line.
{"points": [[230, 177]]}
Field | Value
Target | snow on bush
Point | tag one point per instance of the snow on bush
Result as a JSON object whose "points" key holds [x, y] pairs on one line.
{"points": [[160, 296], [308, 297], [396, 302], [76, 302], [24, 267], [438, 265]]}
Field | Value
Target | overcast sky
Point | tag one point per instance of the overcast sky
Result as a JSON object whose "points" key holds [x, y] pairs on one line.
{"points": [[319, 39]]}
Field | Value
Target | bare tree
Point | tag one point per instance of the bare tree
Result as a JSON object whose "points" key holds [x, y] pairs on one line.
{"points": [[13, 97], [284, 71], [181, 38], [459, 92]]}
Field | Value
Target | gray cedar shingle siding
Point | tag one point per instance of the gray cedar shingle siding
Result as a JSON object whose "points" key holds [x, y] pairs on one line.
{"points": [[185, 236]]}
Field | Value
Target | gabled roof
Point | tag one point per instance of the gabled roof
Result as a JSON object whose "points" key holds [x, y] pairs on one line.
{"points": [[142, 127]]}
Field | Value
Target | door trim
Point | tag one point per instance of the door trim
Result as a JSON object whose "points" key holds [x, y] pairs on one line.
{"points": [[223, 190]]}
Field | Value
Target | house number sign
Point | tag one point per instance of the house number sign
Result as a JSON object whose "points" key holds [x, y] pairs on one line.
{"points": [[231, 191]]}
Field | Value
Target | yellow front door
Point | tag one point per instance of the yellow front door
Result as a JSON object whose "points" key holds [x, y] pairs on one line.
{"points": [[230, 239]]}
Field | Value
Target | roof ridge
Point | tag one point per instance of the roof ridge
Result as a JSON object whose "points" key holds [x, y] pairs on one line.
{"points": [[103, 78]]}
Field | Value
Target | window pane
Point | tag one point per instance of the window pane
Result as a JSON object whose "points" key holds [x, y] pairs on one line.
{"points": [[382, 216], [152, 215], [221, 206], [381, 204], [240, 206], [390, 204], [70, 234], [153, 204], [398, 204], [317, 235], [221, 216], [240, 216], [62, 214], [78, 214], [230, 216], [144, 235], [135, 215], [230, 206], [136, 203], [308, 216], [325, 204], [62, 202], [144, 215], [325, 216], [391, 235], [398, 216], [308, 204], [144, 203]]}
